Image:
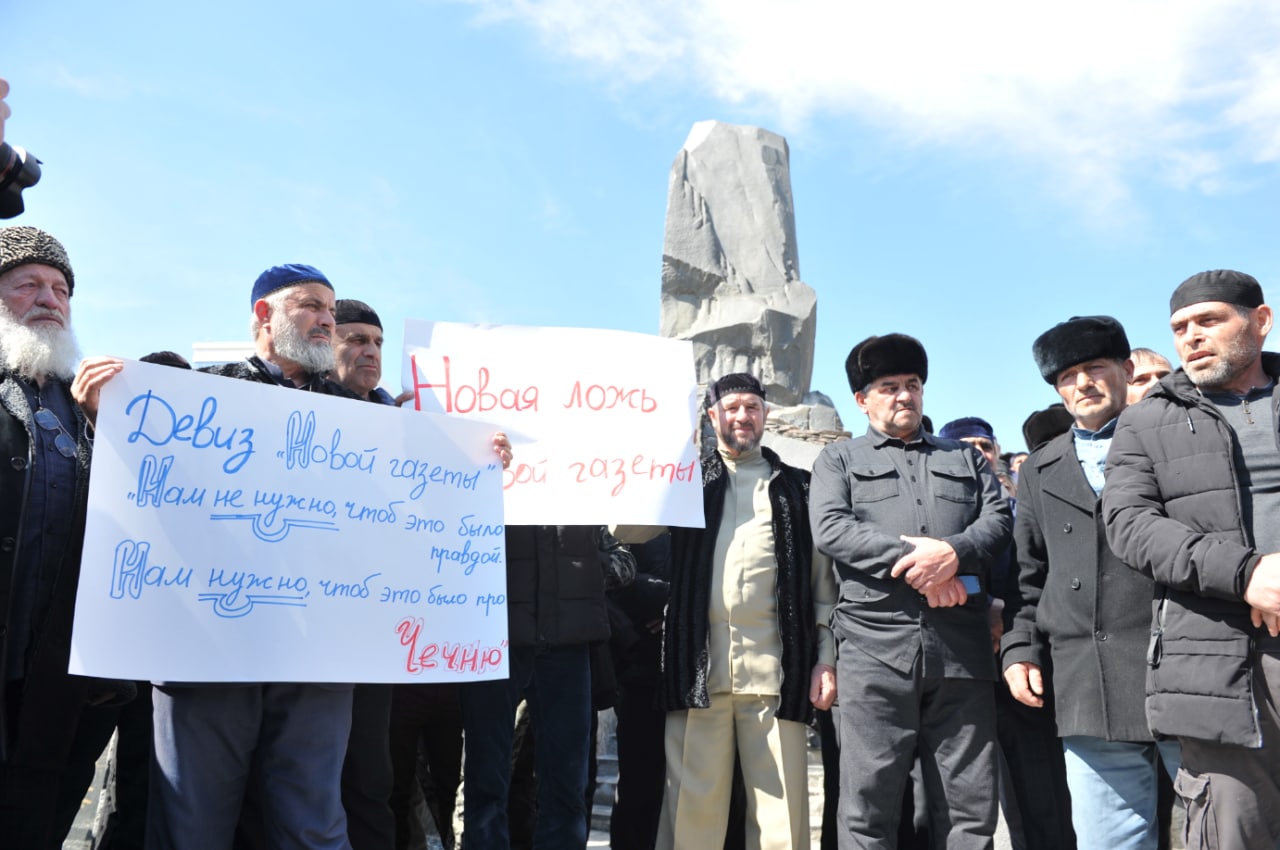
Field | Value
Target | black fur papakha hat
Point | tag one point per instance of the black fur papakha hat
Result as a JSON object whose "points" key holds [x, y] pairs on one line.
{"points": [[1218, 285], [1076, 340], [891, 354]]}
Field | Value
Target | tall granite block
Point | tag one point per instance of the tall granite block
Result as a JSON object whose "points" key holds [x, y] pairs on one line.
{"points": [[730, 267]]}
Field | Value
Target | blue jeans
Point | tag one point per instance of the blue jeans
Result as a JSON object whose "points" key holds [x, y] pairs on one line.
{"points": [[1113, 790], [557, 684]]}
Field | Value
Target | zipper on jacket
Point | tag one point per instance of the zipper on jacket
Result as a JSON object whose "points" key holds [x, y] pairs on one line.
{"points": [[1155, 648]]}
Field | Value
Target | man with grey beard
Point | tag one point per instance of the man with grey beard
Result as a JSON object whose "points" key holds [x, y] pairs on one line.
{"points": [[50, 729], [1191, 498], [747, 653], [290, 736], [292, 326]]}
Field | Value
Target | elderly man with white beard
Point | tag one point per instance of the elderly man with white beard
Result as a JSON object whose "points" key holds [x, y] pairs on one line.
{"points": [[48, 735]]}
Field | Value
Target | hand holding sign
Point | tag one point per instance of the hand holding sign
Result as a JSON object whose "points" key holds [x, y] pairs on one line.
{"points": [[241, 532]]}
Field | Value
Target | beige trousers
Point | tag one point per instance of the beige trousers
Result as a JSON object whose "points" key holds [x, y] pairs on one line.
{"points": [[700, 747]]}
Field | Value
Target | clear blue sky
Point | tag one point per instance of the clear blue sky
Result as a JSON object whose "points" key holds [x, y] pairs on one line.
{"points": [[967, 173]]}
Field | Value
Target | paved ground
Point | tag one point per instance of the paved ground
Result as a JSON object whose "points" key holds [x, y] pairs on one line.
{"points": [[601, 839], [81, 837]]}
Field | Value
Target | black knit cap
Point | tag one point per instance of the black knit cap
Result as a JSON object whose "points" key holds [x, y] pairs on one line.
{"points": [[1076, 340], [351, 310], [1218, 285], [734, 382], [1043, 425], [891, 354]]}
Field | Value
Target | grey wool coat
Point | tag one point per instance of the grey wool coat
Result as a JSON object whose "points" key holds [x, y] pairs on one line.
{"points": [[1076, 602]]}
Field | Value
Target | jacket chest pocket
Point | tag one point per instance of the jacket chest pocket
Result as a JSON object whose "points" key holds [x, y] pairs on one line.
{"points": [[954, 484], [873, 483]]}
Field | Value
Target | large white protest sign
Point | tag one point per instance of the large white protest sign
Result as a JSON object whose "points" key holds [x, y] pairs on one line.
{"points": [[602, 422], [238, 531]]}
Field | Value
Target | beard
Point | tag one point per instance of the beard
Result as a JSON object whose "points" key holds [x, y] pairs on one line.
{"points": [[40, 352], [1234, 358], [740, 443], [315, 356]]}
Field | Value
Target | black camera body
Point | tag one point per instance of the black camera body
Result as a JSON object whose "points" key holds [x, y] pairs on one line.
{"points": [[18, 170]]}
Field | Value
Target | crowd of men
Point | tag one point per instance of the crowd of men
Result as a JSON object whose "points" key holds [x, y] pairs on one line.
{"points": [[1123, 579]]}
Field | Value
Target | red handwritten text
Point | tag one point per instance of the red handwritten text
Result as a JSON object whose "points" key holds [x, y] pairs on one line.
{"points": [[597, 397], [454, 657], [474, 398], [524, 473], [617, 470]]}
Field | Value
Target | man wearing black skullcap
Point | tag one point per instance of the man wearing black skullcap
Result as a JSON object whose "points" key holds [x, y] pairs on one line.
{"points": [[388, 721], [1078, 605], [367, 776], [49, 731], [1192, 497], [913, 523], [747, 652], [357, 350]]}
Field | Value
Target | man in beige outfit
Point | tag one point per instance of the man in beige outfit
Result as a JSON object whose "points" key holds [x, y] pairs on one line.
{"points": [[747, 651]]}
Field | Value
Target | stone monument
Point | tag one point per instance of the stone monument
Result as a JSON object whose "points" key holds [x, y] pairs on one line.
{"points": [[731, 278]]}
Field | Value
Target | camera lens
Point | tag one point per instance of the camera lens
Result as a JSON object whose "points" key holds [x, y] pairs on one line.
{"points": [[18, 170]]}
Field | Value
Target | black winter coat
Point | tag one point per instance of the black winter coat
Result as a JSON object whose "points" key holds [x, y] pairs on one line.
{"points": [[1172, 507], [52, 700], [684, 636], [1077, 600], [253, 369]]}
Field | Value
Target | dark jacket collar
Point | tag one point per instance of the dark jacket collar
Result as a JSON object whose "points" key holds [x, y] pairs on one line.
{"points": [[878, 438], [1178, 387], [713, 465], [276, 374], [1060, 472]]}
